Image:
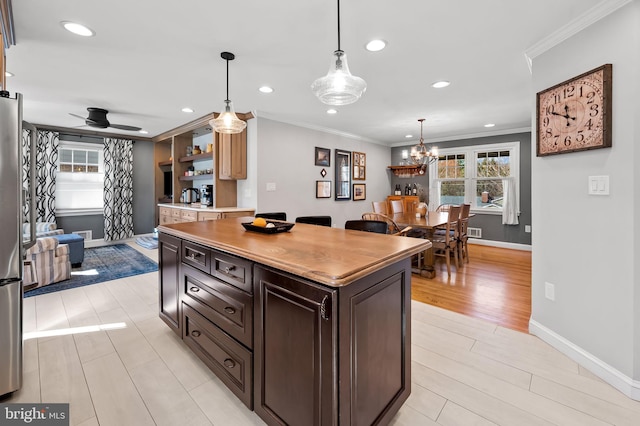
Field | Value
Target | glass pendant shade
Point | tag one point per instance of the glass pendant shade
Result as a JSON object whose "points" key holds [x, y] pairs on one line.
{"points": [[227, 121], [339, 87]]}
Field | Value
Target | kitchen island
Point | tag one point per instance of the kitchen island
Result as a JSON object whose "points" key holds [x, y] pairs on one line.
{"points": [[306, 327]]}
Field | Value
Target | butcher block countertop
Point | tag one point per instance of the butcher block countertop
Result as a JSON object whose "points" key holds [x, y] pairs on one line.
{"points": [[330, 256]]}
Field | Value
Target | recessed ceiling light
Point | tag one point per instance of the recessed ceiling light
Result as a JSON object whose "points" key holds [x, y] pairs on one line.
{"points": [[440, 84], [332, 111], [408, 136], [144, 132], [8, 74], [266, 89], [187, 109], [77, 29], [489, 125], [376, 45]]}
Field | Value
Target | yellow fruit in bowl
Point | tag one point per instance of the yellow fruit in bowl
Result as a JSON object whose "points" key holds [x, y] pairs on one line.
{"points": [[259, 221]]}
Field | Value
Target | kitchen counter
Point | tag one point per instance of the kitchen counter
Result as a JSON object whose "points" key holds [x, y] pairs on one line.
{"points": [[178, 212], [330, 256], [199, 208]]}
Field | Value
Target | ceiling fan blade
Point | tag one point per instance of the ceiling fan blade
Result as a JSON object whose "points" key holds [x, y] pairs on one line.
{"points": [[76, 115], [125, 127]]}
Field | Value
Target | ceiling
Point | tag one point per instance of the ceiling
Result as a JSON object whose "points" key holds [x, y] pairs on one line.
{"points": [[151, 58]]}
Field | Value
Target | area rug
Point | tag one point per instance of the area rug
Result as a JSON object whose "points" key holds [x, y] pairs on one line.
{"points": [[102, 264], [147, 242]]}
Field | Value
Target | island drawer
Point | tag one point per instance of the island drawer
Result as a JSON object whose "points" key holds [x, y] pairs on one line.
{"points": [[229, 360], [226, 306], [196, 255], [232, 270]]}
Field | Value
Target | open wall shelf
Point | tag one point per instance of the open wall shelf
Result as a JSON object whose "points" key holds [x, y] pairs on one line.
{"points": [[404, 171]]}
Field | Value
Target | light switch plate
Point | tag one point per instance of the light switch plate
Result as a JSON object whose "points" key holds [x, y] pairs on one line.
{"points": [[271, 186], [598, 185]]}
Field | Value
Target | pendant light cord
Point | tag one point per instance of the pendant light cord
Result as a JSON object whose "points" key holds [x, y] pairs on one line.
{"points": [[227, 100], [339, 26]]}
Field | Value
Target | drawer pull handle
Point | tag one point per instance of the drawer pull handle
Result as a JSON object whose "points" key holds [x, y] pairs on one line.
{"points": [[191, 256], [228, 269], [194, 289], [229, 363], [229, 310], [195, 333]]}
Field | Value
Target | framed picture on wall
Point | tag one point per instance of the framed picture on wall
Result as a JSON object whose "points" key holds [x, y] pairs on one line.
{"points": [[359, 191], [323, 157], [359, 165], [323, 189], [343, 175]]}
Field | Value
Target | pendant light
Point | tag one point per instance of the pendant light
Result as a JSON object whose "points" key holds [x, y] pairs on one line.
{"points": [[227, 121], [339, 87], [420, 154]]}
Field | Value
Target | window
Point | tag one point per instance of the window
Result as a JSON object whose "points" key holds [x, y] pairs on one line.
{"points": [[476, 175], [80, 179]]}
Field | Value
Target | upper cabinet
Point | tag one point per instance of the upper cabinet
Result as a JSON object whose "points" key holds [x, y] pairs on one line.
{"points": [[232, 163]]}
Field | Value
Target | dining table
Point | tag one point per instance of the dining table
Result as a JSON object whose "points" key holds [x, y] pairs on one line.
{"points": [[429, 222]]}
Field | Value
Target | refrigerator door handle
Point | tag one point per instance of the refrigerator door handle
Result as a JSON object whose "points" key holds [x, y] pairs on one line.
{"points": [[32, 184]]}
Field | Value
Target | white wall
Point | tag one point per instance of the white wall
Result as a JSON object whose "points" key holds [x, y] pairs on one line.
{"points": [[586, 245], [283, 154]]}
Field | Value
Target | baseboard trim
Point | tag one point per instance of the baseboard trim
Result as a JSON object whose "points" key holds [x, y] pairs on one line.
{"points": [[606, 372], [500, 244]]}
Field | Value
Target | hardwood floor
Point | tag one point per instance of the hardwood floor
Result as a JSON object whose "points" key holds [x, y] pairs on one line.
{"points": [[129, 368], [495, 285]]}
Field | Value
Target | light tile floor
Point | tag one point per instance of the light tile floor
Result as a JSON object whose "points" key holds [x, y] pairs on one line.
{"points": [[132, 370]]}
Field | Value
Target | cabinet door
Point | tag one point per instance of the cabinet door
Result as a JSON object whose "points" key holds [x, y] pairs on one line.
{"points": [[233, 156], [169, 262], [295, 341]]}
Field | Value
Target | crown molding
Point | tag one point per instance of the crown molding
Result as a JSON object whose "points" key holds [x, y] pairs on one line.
{"points": [[467, 136], [583, 21]]}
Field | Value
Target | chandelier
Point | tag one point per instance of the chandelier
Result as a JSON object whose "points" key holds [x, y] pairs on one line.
{"points": [[227, 121], [420, 154], [339, 87]]}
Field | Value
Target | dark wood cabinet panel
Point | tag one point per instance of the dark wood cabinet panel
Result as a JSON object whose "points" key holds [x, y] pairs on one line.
{"points": [[197, 256], [294, 346], [169, 267]]}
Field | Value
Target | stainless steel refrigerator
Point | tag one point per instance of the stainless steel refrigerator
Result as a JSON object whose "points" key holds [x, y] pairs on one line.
{"points": [[12, 196]]}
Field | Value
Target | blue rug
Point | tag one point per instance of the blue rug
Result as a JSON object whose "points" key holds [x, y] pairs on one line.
{"points": [[102, 264], [147, 242]]}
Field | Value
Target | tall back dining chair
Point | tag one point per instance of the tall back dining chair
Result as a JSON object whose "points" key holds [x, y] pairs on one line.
{"points": [[445, 243], [380, 207], [463, 236], [273, 215], [397, 206], [377, 226], [315, 220]]}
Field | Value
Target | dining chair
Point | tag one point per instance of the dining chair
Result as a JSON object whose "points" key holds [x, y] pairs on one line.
{"points": [[377, 226], [442, 208], [380, 207], [273, 215], [397, 206], [463, 237], [445, 243], [392, 226], [315, 220]]}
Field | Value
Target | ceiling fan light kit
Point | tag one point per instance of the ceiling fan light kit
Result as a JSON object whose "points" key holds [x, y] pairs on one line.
{"points": [[339, 86], [227, 121]]}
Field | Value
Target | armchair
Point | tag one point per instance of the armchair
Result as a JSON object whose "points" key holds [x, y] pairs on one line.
{"points": [[49, 260], [43, 229]]}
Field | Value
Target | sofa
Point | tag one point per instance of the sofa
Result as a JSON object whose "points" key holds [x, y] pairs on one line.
{"points": [[49, 262], [43, 229]]}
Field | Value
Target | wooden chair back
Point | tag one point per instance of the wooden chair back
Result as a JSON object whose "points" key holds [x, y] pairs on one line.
{"points": [[445, 242], [380, 207], [397, 206], [392, 226]]}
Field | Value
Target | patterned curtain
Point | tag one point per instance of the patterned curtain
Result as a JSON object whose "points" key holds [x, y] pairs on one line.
{"points": [[46, 169], [118, 189]]}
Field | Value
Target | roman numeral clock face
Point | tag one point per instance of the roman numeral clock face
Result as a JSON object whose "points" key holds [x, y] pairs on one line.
{"points": [[575, 115]]}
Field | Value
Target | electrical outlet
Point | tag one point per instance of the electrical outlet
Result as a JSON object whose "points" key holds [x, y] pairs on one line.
{"points": [[550, 291], [527, 229], [271, 186]]}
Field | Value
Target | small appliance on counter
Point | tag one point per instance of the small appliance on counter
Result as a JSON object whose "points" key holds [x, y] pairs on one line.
{"points": [[190, 195], [206, 196]]}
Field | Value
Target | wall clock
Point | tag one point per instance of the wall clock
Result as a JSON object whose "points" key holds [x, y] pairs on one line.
{"points": [[575, 115]]}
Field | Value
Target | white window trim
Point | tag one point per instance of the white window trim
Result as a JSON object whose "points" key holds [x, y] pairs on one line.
{"points": [[471, 152], [86, 146]]}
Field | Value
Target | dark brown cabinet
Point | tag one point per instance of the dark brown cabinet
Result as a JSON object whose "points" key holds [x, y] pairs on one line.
{"points": [[169, 267], [295, 344]]}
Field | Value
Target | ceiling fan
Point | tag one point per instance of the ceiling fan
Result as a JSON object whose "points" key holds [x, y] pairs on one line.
{"points": [[98, 118]]}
